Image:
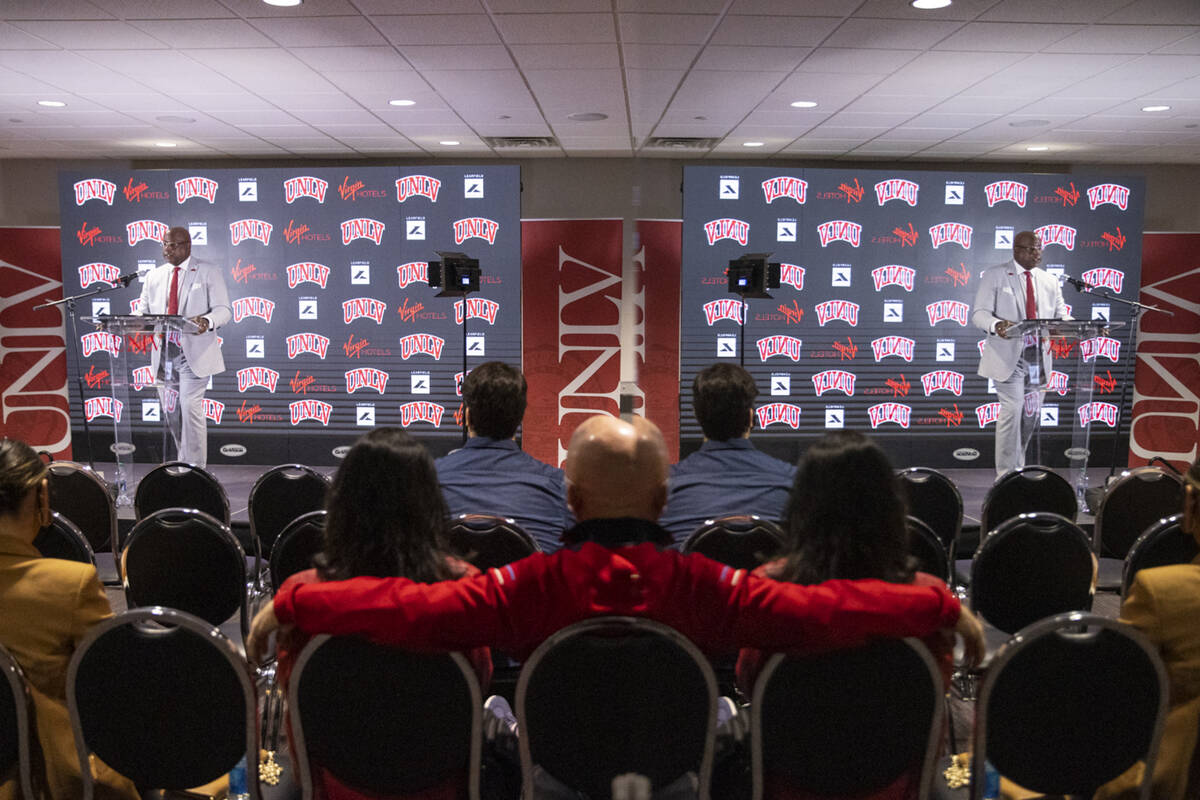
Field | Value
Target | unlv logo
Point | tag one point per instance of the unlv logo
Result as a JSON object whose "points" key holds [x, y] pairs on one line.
{"points": [[304, 186], [840, 230], [1062, 235], [102, 407], [726, 308], [1100, 346], [897, 189], [771, 413], [313, 343], [942, 310], [257, 376], [214, 410], [955, 232], [834, 380], [366, 378], [144, 229], [417, 186], [477, 308], [413, 272], [421, 411], [1112, 194], [897, 413], [422, 344], [727, 228], [100, 340], [779, 346], [942, 379], [142, 377], [95, 189], [259, 307], [1100, 276], [363, 307], [1057, 382], [894, 275], [783, 186], [475, 228], [1098, 411], [307, 272], [987, 414], [187, 188], [1010, 191], [245, 229], [362, 228], [317, 410], [842, 310], [98, 272], [792, 275], [886, 346]]}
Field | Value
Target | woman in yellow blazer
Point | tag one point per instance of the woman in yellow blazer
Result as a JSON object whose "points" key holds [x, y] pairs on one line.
{"points": [[46, 607]]}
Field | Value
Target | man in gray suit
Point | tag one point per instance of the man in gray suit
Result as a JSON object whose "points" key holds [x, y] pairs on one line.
{"points": [[1008, 293], [197, 291]]}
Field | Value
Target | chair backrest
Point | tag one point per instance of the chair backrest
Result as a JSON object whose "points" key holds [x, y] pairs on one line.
{"points": [[296, 545], [82, 496], [186, 560], [927, 548], [935, 500], [742, 541], [1025, 490], [1031, 567], [613, 695], [19, 748], [61, 539], [880, 710], [164, 699], [1162, 543], [487, 541], [280, 495], [1133, 502], [178, 484], [405, 723], [1070, 703]]}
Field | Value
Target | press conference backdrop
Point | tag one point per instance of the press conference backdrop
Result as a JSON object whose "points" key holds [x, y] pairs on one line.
{"points": [[871, 329], [335, 329]]}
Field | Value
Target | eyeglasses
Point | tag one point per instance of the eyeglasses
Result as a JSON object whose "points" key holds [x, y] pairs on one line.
{"points": [[169, 245]]}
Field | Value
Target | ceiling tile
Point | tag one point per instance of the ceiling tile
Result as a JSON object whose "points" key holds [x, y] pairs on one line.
{"points": [[754, 59], [890, 33], [40, 9], [829, 91], [865, 119], [757, 31], [666, 28], [900, 104], [498, 89], [171, 71], [67, 71], [309, 8], [958, 122], [1118, 39], [782, 8], [373, 7], [365, 59], [665, 56], [1157, 12], [578, 90], [857, 60], [651, 89], [450, 29], [1058, 11], [98, 35], [731, 91], [971, 103], [262, 116], [350, 31], [939, 73], [480, 56], [13, 38], [1005, 37], [556, 28], [567, 56], [164, 9], [213, 33]]}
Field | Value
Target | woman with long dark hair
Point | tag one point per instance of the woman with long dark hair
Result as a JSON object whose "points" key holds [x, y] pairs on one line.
{"points": [[385, 518]]}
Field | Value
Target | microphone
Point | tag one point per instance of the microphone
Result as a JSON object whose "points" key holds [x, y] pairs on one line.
{"points": [[1080, 285], [125, 280]]}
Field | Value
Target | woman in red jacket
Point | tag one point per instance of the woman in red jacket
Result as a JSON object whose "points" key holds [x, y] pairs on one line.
{"points": [[386, 518]]}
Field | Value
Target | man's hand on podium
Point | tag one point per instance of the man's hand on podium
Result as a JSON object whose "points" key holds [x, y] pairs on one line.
{"points": [[201, 322], [1002, 328]]}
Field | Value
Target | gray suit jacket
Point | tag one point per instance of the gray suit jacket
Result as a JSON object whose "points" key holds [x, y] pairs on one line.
{"points": [[202, 292], [1001, 296]]}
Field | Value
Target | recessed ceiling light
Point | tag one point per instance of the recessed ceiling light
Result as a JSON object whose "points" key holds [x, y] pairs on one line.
{"points": [[1037, 148], [449, 143], [804, 104], [753, 144], [164, 144], [51, 103], [587, 116], [929, 5], [402, 102], [285, 3], [1156, 108]]}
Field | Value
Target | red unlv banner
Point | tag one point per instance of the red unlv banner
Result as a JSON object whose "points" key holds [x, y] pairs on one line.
{"points": [[1166, 403], [573, 295], [33, 363]]}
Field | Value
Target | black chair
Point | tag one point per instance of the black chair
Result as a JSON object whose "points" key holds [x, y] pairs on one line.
{"points": [[486, 540], [178, 484], [847, 723], [186, 560], [741, 541], [279, 496], [164, 699], [1026, 490], [1031, 567], [20, 753], [83, 497], [935, 500], [927, 548], [294, 548], [61, 539], [1068, 704], [1164, 542], [1133, 502], [406, 723], [613, 695]]}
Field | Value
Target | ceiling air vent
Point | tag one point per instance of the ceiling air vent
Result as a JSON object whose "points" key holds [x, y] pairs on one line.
{"points": [[681, 143], [520, 142]]}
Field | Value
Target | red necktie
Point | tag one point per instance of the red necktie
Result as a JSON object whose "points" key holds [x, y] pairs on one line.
{"points": [[173, 293], [1030, 301]]}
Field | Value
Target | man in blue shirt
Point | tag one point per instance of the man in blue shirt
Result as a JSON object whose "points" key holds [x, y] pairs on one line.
{"points": [[727, 475], [490, 474]]}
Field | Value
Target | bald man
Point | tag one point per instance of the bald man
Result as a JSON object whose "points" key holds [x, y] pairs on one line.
{"points": [[614, 564]]}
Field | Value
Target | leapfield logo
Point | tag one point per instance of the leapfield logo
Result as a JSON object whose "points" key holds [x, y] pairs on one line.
{"points": [[366, 378], [784, 186], [894, 275], [897, 189], [145, 229], [362, 228], [1013, 192], [839, 230], [360, 307], [944, 380], [95, 189], [262, 377], [837, 310], [475, 228], [417, 186], [834, 380], [951, 233], [249, 228], [195, 186], [304, 186], [316, 410], [725, 309], [898, 346], [313, 343], [895, 413], [307, 272], [421, 344], [779, 345], [1113, 194], [260, 307], [98, 272], [772, 413], [421, 411], [477, 308], [727, 228]]}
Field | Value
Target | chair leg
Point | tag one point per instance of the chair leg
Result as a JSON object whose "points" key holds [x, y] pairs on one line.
{"points": [[269, 771]]}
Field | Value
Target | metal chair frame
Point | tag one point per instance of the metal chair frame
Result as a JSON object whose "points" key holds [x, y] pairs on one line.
{"points": [[70, 534], [1153, 536], [1026, 475], [932, 542], [284, 540], [1133, 477], [172, 468], [919, 477], [735, 528], [463, 526], [68, 470], [28, 751], [262, 542]]}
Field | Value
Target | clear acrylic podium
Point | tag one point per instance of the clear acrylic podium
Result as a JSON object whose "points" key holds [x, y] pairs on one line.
{"points": [[161, 332], [1074, 346]]}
